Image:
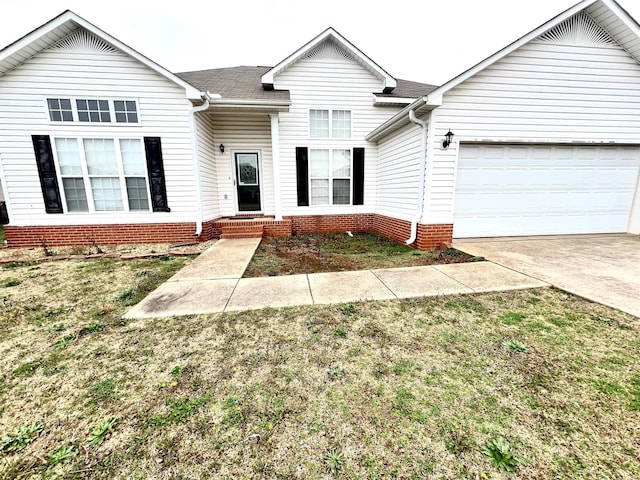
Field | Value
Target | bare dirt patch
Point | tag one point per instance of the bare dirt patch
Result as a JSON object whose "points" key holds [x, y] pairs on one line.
{"points": [[341, 252], [124, 251]]}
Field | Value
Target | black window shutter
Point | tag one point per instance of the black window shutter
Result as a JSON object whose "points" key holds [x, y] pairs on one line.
{"points": [[153, 150], [358, 176], [302, 175], [47, 173]]}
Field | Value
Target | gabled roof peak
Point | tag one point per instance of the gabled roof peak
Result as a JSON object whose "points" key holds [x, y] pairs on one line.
{"points": [[330, 34], [59, 28]]}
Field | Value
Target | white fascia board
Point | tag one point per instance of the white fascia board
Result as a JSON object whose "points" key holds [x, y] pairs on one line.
{"points": [[267, 105], [392, 100], [624, 16], [192, 93], [268, 77]]}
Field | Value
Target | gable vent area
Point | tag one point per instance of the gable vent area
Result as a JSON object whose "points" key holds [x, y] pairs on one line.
{"points": [[581, 30], [329, 50], [82, 41]]}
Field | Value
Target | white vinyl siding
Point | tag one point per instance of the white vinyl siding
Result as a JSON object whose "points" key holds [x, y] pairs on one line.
{"points": [[542, 92], [242, 132], [506, 190], [331, 83], [207, 151], [398, 172], [76, 74]]}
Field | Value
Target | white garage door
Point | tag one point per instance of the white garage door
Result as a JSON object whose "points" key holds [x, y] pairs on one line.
{"points": [[510, 190]]}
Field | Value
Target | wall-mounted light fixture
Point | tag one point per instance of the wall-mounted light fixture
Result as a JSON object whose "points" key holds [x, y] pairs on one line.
{"points": [[448, 138], [221, 147]]}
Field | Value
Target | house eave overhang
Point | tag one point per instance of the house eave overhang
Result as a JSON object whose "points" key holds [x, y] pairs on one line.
{"points": [[250, 104], [48, 34], [419, 106], [389, 83], [392, 101]]}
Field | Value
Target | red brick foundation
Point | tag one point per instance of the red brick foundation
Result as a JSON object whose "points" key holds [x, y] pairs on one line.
{"points": [[56, 236], [428, 236]]}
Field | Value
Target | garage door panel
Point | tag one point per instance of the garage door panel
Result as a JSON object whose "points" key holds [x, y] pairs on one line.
{"points": [[544, 190], [529, 225]]}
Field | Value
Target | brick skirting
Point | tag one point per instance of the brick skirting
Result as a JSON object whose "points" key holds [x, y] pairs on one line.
{"points": [[61, 235], [428, 237]]}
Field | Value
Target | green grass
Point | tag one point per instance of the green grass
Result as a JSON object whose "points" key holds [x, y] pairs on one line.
{"points": [[538, 383]]}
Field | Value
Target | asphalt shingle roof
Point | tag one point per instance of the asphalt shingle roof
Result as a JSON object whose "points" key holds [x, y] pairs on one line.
{"points": [[235, 82], [244, 83]]}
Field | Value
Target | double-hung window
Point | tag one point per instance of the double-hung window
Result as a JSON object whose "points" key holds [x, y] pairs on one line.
{"points": [[329, 123], [86, 110], [330, 176], [103, 174]]}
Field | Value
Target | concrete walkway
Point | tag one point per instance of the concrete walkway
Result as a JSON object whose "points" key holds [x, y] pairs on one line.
{"points": [[212, 283]]}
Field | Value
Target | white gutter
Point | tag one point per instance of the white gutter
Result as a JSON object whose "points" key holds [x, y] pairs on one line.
{"points": [[194, 153], [422, 171]]}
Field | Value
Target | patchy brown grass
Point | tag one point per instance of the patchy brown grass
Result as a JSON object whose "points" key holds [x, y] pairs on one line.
{"points": [[339, 252], [399, 389]]}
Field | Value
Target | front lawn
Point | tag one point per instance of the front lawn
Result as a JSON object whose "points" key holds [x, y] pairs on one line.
{"points": [[539, 382]]}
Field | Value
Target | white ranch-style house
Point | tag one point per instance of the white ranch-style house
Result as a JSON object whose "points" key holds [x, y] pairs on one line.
{"points": [[100, 144]]}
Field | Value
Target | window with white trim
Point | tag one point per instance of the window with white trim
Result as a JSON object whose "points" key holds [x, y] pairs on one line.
{"points": [[92, 110], [330, 123], [98, 173], [95, 111], [60, 109], [330, 176]]}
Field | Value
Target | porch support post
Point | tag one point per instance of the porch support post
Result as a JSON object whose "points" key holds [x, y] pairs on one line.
{"points": [[275, 160]]}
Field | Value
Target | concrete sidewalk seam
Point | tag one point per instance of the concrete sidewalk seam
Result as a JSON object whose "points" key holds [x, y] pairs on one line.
{"points": [[224, 309], [384, 284], [435, 267], [313, 300]]}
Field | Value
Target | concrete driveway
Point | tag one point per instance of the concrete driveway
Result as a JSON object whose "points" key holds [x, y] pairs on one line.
{"points": [[602, 268]]}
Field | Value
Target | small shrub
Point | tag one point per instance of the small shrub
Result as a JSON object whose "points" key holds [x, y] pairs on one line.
{"points": [[499, 452], [515, 346], [20, 437], [61, 454], [335, 374], [101, 431], [334, 460]]}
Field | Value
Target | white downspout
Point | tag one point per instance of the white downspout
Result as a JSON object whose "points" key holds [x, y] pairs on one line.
{"points": [[422, 173], [196, 160]]}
